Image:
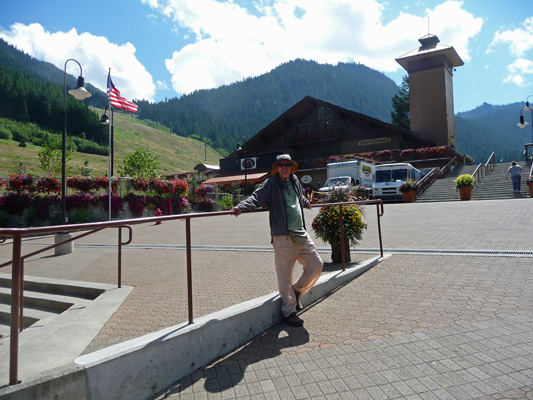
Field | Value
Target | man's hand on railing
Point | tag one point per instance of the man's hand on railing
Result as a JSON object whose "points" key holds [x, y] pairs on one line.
{"points": [[236, 211]]}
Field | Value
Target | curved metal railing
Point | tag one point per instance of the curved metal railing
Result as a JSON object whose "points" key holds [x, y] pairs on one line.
{"points": [[17, 260]]}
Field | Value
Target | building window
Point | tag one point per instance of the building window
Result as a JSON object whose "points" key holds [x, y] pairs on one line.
{"points": [[320, 120]]}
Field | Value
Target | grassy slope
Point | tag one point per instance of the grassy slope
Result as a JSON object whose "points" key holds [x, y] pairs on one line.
{"points": [[175, 154]]}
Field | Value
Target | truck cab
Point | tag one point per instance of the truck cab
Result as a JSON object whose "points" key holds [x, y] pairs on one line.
{"points": [[348, 175], [343, 182], [389, 178]]}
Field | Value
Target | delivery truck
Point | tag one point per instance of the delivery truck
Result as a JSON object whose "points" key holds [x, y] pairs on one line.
{"points": [[349, 174], [389, 178]]}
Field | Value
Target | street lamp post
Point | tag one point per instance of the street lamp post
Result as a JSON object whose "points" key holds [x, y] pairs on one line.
{"points": [[80, 93], [241, 152], [105, 121], [522, 124]]}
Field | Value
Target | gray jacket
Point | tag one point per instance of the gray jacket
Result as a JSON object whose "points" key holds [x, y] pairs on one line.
{"points": [[272, 193]]}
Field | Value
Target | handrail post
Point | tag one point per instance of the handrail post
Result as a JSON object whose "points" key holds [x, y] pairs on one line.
{"points": [[342, 239], [15, 309], [120, 244], [21, 296], [119, 269], [189, 268], [379, 226]]}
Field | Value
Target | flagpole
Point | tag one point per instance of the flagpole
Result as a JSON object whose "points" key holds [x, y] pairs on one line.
{"points": [[110, 161]]}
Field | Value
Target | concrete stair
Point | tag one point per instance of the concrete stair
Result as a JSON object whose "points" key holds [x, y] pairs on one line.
{"points": [[495, 186], [492, 187], [444, 189], [42, 300]]}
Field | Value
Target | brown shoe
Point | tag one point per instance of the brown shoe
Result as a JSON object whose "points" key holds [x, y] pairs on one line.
{"points": [[299, 306], [293, 320]]}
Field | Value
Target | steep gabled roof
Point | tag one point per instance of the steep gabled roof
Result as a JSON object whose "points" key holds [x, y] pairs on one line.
{"points": [[306, 105]]}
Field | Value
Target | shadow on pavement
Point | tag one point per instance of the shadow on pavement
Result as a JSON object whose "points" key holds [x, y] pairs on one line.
{"points": [[224, 374]]}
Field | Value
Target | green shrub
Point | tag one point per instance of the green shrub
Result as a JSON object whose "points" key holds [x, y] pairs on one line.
{"points": [[5, 134], [3, 221], [226, 201], [81, 216], [31, 217]]}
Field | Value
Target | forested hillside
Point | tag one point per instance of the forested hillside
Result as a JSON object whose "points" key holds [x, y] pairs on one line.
{"points": [[490, 128], [32, 90], [243, 108]]}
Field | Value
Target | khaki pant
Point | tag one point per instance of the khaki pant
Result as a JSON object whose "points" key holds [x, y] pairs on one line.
{"points": [[286, 254]]}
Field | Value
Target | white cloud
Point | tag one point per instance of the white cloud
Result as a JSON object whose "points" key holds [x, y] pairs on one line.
{"points": [[517, 70], [162, 85], [228, 42], [95, 54], [519, 40], [233, 42]]}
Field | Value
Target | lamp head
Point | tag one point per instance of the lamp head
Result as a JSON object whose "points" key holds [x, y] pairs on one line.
{"points": [[80, 93], [527, 107], [104, 120], [522, 123]]}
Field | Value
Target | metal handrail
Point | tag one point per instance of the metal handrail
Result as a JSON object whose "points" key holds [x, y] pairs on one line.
{"points": [[478, 173], [491, 162], [17, 261], [433, 175], [426, 181], [485, 169]]}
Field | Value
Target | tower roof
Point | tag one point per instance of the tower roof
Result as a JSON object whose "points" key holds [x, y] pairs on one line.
{"points": [[430, 49]]}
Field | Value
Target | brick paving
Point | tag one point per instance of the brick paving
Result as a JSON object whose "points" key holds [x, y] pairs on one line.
{"points": [[416, 326]]}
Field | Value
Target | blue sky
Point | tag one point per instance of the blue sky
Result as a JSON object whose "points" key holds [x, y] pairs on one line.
{"points": [[159, 49]]}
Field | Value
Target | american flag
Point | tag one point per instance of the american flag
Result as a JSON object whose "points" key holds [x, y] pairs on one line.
{"points": [[116, 99]]}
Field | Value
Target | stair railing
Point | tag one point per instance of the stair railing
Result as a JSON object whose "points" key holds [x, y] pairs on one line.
{"points": [[485, 169], [434, 174]]}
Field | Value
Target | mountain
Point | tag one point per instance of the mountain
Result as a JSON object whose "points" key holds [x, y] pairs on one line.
{"points": [[33, 90], [489, 128], [243, 108]]}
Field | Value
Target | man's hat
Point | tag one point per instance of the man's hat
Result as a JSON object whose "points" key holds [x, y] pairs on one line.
{"points": [[284, 157]]}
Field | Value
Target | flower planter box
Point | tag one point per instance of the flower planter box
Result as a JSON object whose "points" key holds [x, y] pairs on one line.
{"points": [[409, 197], [465, 192]]}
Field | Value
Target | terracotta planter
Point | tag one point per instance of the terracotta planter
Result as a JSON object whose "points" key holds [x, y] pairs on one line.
{"points": [[465, 192], [336, 255], [531, 190], [409, 197]]}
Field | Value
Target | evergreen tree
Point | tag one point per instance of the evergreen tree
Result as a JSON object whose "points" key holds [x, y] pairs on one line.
{"points": [[400, 106]]}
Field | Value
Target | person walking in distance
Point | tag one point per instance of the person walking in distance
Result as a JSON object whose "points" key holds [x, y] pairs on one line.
{"points": [[515, 171], [285, 198]]}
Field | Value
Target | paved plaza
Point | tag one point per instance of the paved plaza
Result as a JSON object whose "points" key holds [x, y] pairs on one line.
{"points": [[446, 315]]}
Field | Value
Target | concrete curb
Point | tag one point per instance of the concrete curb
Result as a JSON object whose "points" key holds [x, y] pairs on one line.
{"points": [[141, 368]]}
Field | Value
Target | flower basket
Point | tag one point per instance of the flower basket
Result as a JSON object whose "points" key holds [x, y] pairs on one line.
{"points": [[464, 184], [464, 180], [407, 154], [408, 189], [529, 183], [326, 224]]}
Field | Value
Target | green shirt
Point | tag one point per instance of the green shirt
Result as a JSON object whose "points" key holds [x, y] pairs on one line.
{"points": [[292, 205]]}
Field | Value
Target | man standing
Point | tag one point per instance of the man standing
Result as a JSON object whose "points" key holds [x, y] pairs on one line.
{"points": [[284, 196], [515, 171]]}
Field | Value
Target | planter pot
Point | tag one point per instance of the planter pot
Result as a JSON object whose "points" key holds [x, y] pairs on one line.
{"points": [[336, 254], [465, 192], [409, 197], [531, 190]]}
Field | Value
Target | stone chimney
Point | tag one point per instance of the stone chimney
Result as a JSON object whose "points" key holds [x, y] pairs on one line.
{"points": [[430, 69]]}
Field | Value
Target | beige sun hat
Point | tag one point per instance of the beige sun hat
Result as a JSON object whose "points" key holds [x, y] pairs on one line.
{"points": [[282, 157]]}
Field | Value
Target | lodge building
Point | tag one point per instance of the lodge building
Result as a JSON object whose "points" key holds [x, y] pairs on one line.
{"points": [[315, 132]]}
